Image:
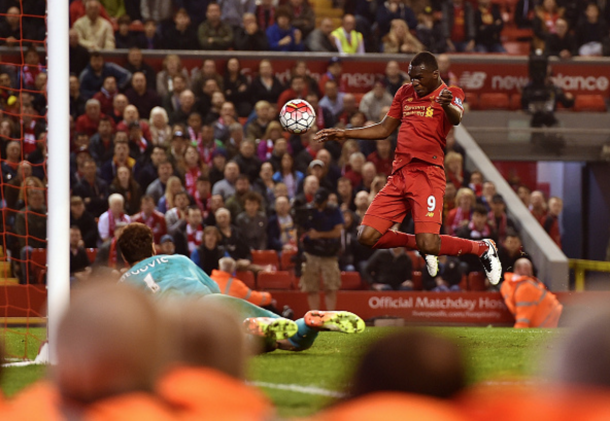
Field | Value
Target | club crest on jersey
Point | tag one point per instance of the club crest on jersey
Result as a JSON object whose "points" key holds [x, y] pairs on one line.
{"points": [[409, 99]]}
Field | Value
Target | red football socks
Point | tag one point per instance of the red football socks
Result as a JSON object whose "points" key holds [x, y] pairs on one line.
{"points": [[393, 238], [454, 246]]}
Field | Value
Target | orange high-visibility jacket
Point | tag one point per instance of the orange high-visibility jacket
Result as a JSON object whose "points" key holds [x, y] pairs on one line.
{"points": [[200, 393], [391, 406], [530, 302], [235, 288], [40, 401], [130, 406]]}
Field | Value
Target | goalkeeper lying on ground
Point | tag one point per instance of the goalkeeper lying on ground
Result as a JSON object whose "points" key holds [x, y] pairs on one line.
{"points": [[165, 276]]}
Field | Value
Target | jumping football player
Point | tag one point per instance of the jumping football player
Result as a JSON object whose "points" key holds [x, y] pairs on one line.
{"points": [[427, 109], [165, 276]]}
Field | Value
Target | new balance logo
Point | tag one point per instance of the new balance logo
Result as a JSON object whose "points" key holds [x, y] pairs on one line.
{"points": [[430, 214], [472, 80]]}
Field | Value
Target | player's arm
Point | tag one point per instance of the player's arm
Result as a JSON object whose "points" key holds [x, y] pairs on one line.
{"points": [[453, 112], [380, 130]]}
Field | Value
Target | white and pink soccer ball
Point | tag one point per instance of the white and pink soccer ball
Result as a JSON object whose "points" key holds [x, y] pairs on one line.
{"points": [[297, 116]]}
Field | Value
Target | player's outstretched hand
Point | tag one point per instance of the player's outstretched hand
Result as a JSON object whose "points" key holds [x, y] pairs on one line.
{"points": [[445, 97], [329, 134]]}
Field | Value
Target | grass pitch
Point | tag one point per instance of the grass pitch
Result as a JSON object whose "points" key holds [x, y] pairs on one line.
{"points": [[326, 367]]}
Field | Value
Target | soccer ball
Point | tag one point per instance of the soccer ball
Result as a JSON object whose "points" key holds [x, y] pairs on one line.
{"points": [[297, 116]]}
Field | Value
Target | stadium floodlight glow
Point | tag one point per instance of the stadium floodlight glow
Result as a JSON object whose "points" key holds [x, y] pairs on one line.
{"points": [[58, 169]]}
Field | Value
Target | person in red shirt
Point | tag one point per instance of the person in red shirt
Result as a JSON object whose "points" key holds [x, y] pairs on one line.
{"points": [[382, 157], [107, 94], [298, 89], [89, 122], [427, 109], [152, 218]]}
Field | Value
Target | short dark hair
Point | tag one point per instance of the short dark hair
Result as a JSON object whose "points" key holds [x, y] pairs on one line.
{"points": [[425, 59], [95, 54], [147, 198], [125, 19], [480, 209], [203, 178], [136, 242], [253, 196], [282, 11], [511, 232], [181, 193], [242, 177], [192, 208]]}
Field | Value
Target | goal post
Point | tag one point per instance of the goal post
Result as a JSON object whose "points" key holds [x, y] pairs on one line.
{"points": [[58, 168]]}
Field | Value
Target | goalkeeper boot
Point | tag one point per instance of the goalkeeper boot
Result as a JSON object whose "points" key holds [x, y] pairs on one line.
{"points": [[336, 321], [269, 327], [431, 264], [491, 263]]}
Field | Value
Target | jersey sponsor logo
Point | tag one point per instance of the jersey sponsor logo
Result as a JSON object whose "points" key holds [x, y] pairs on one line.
{"points": [[458, 102], [472, 80]]}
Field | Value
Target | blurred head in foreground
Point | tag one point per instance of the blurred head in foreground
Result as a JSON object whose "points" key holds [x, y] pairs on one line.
{"points": [[108, 343], [206, 335], [413, 362]]}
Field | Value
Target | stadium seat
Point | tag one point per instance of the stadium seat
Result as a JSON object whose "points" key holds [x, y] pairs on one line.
{"points": [[91, 254], [274, 280], [287, 262], [515, 102], [351, 280], [472, 99], [591, 103], [39, 265], [266, 257], [247, 277], [476, 281], [517, 48], [493, 101], [514, 34], [416, 278], [416, 260]]}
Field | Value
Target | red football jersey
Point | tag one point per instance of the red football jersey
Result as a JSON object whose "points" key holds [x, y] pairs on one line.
{"points": [[424, 129]]}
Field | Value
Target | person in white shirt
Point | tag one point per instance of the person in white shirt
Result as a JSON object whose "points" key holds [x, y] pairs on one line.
{"points": [[94, 32]]}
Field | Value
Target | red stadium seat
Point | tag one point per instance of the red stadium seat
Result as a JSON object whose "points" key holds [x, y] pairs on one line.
{"points": [[417, 282], [517, 48], [287, 262], [494, 101], [592, 103], [472, 99], [266, 257], [247, 277], [38, 265], [476, 281], [351, 280], [515, 102], [274, 280], [91, 254]]}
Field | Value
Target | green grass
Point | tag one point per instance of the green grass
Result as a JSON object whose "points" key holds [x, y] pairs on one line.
{"points": [[490, 353]]}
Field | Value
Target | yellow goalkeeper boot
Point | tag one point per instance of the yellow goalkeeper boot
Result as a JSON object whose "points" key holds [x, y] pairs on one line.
{"points": [[269, 327], [336, 321]]}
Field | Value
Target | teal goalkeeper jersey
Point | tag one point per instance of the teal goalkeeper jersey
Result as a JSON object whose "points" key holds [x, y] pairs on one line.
{"points": [[165, 275]]}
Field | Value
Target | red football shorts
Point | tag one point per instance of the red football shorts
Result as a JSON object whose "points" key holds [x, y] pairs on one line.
{"points": [[418, 187]]}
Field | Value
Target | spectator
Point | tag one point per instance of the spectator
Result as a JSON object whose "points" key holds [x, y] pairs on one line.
{"points": [[477, 228], [203, 194], [362, 203], [80, 267], [136, 63], [92, 189], [265, 14], [321, 247], [302, 16], [192, 236], [235, 204], [382, 158], [461, 215], [187, 107], [281, 230], [157, 188], [524, 13], [226, 117], [114, 214], [489, 24], [265, 86], [175, 217], [545, 19], [234, 287], [119, 105], [226, 186], [400, 40], [236, 87], [156, 10], [250, 37], [248, 162], [31, 227], [173, 187], [394, 77], [538, 206], [13, 158], [79, 55], [551, 222], [88, 123], [280, 147], [193, 169], [77, 102], [444, 68], [107, 94], [450, 273], [487, 194], [142, 97], [389, 269], [498, 219], [147, 172], [160, 130], [180, 36], [231, 242], [375, 100], [208, 254], [561, 43], [124, 37], [298, 89], [333, 71], [215, 34], [458, 26], [453, 169], [528, 300], [347, 39], [591, 32], [152, 38], [476, 183], [282, 36], [510, 250], [167, 245], [207, 144], [120, 158], [256, 129], [394, 10], [82, 219], [92, 78], [94, 32], [126, 186], [430, 32], [252, 222], [109, 254], [524, 194], [354, 173], [320, 39], [448, 200], [201, 77], [151, 218], [233, 10], [77, 10], [369, 173], [171, 101], [333, 99], [10, 28], [172, 67], [304, 158]]}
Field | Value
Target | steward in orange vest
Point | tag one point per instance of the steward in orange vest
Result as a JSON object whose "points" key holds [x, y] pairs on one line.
{"points": [[528, 299], [232, 286]]}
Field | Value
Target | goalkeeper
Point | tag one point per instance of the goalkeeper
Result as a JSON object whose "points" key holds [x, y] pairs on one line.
{"points": [[165, 276]]}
